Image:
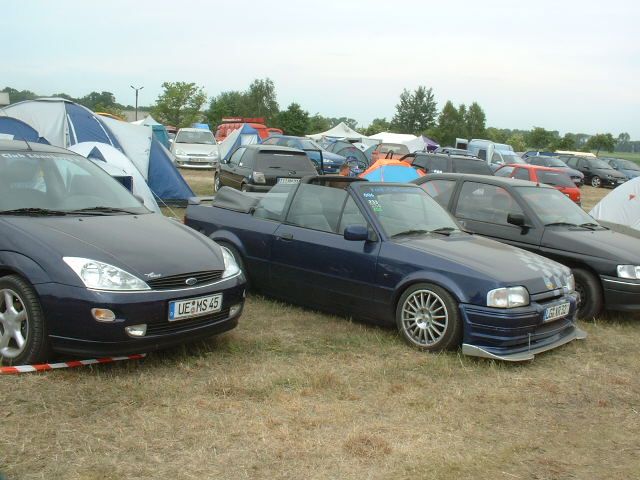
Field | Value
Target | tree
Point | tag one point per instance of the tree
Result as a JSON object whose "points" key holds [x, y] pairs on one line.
{"points": [[462, 114], [377, 125], [294, 120], [227, 104], [179, 104], [475, 121], [568, 142], [498, 135], [415, 112], [99, 102], [450, 125], [261, 100], [601, 141], [16, 96], [623, 143], [540, 139], [318, 124], [517, 141]]}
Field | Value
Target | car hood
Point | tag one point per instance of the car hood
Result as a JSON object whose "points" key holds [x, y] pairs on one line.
{"points": [[488, 259], [630, 173], [604, 244], [195, 148], [604, 173], [148, 246], [333, 157]]}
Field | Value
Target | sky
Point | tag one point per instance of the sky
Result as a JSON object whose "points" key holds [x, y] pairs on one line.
{"points": [[572, 66]]}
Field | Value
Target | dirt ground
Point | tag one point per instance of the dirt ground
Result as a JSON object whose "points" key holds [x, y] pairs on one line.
{"points": [[292, 393]]}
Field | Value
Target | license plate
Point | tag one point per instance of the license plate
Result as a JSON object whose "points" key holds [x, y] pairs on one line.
{"points": [[194, 307], [559, 311], [288, 180]]}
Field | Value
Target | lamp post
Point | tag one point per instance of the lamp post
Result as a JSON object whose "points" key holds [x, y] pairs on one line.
{"points": [[137, 90]]}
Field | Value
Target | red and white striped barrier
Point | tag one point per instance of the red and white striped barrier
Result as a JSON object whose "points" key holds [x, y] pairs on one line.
{"points": [[43, 367]]}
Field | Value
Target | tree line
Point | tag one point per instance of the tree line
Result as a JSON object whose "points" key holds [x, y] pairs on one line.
{"points": [[183, 103]]}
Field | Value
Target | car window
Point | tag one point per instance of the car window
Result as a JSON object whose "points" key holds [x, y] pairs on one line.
{"points": [[440, 190], [351, 215], [235, 158], [504, 171], [271, 141], [486, 203], [557, 179], [572, 162], [247, 161], [522, 174], [496, 158], [471, 166], [536, 161], [317, 207], [291, 142], [283, 161], [437, 165], [482, 154], [271, 206], [583, 163]]}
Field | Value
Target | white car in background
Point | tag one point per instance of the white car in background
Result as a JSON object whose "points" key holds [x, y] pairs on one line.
{"points": [[195, 148]]}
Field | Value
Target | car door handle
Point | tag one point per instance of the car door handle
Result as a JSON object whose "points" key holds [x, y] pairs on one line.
{"points": [[286, 236]]}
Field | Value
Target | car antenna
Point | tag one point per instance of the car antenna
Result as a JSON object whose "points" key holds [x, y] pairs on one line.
{"points": [[25, 141]]}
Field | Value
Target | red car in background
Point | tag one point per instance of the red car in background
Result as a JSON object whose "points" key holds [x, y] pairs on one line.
{"points": [[534, 173]]}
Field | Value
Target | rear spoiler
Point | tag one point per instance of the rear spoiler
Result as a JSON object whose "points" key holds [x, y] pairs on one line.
{"points": [[199, 200]]}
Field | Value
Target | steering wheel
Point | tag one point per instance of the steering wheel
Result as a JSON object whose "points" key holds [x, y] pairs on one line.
{"points": [[356, 166]]}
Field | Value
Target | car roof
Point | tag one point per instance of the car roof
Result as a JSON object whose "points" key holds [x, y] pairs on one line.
{"points": [[528, 166], [23, 146], [498, 181], [194, 130], [466, 158]]}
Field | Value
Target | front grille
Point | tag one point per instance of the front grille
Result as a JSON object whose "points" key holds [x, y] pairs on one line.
{"points": [[180, 281], [164, 328]]}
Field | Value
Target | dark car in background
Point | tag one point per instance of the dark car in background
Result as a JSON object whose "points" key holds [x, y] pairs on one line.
{"points": [[389, 254], [628, 168], [86, 269], [540, 219], [597, 173], [325, 161], [257, 168], [454, 151], [553, 162], [445, 163]]}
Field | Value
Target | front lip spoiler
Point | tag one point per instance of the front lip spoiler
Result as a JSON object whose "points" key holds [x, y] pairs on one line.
{"points": [[475, 351]]}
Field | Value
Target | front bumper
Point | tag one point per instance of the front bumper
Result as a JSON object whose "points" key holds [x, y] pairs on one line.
{"points": [[517, 334], [72, 328], [184, 161], [250, 187], [612, 182], [621, 294]]}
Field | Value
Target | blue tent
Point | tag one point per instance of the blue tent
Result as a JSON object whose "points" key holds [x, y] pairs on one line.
{"points": [[244, 135], [19, 130], [63, 123]]}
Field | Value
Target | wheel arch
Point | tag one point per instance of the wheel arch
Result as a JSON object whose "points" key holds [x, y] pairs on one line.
{"points": [[429, 277], [14, 263]]}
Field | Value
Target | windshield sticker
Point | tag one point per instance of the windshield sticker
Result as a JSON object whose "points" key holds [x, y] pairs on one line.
{"points": [[28, 155]]}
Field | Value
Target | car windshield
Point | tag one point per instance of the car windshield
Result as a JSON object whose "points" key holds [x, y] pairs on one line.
{"points": [[556, 179], [628, 165], [510, 157], [49, 183], [597, 163], [553, 207], [310, 145], [471, 166], [556, 162], [204, 137], [406, 210]]}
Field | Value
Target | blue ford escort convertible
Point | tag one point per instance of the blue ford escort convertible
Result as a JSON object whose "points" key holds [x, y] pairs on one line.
{"points": [[389, 254]]}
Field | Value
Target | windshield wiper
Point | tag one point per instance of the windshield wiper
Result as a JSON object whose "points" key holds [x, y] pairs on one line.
{"points": [[33, 211], [102, 210], [444, 230], [590, 225], [560, 224], [409, 232]]}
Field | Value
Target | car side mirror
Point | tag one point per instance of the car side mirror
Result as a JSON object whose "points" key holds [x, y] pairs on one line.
{"points": [[519, 220], [356, 233]]}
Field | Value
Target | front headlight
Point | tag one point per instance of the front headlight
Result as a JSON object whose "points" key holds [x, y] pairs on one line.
{"points": [[102, 276], [508, 297], [231, 267], [180, 152], [258, 177], [629, 271], [571, 284], [214, 154]]}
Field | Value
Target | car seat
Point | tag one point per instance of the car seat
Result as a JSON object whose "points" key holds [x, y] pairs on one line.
{"points": [[307, 212]]}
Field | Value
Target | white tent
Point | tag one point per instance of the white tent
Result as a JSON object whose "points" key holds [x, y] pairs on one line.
{"points": [[343, 131], [106, 156], [148, 120], [245, 135], [621, 206], [388, 137]]}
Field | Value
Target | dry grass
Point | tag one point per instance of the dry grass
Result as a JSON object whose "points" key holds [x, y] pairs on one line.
{"points": [[296, 394]]}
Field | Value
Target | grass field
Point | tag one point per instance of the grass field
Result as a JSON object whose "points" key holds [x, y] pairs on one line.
{"points": [[293, 394]]}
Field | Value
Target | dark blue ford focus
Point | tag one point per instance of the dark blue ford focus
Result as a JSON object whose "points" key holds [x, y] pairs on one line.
{"points": [[85, 268], [390, 254]]}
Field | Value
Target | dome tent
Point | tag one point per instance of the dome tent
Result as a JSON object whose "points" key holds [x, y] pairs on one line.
{"points": [[105, 155], [64, 123], [621, 206], [245, 135], [14, 129]]}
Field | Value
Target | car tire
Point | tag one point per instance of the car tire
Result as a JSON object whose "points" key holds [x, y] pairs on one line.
{"points": [[216, 182], [238, 258], [591, 298], [28, 322], [596, 182], [428, 318]]}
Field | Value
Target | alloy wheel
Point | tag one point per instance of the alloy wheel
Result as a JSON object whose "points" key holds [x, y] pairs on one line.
{"points": [[596, 182], [424, 317], [14, 324]]}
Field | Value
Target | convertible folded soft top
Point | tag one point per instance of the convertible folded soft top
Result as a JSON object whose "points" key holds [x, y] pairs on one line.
{"points": [[231, 199]]}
